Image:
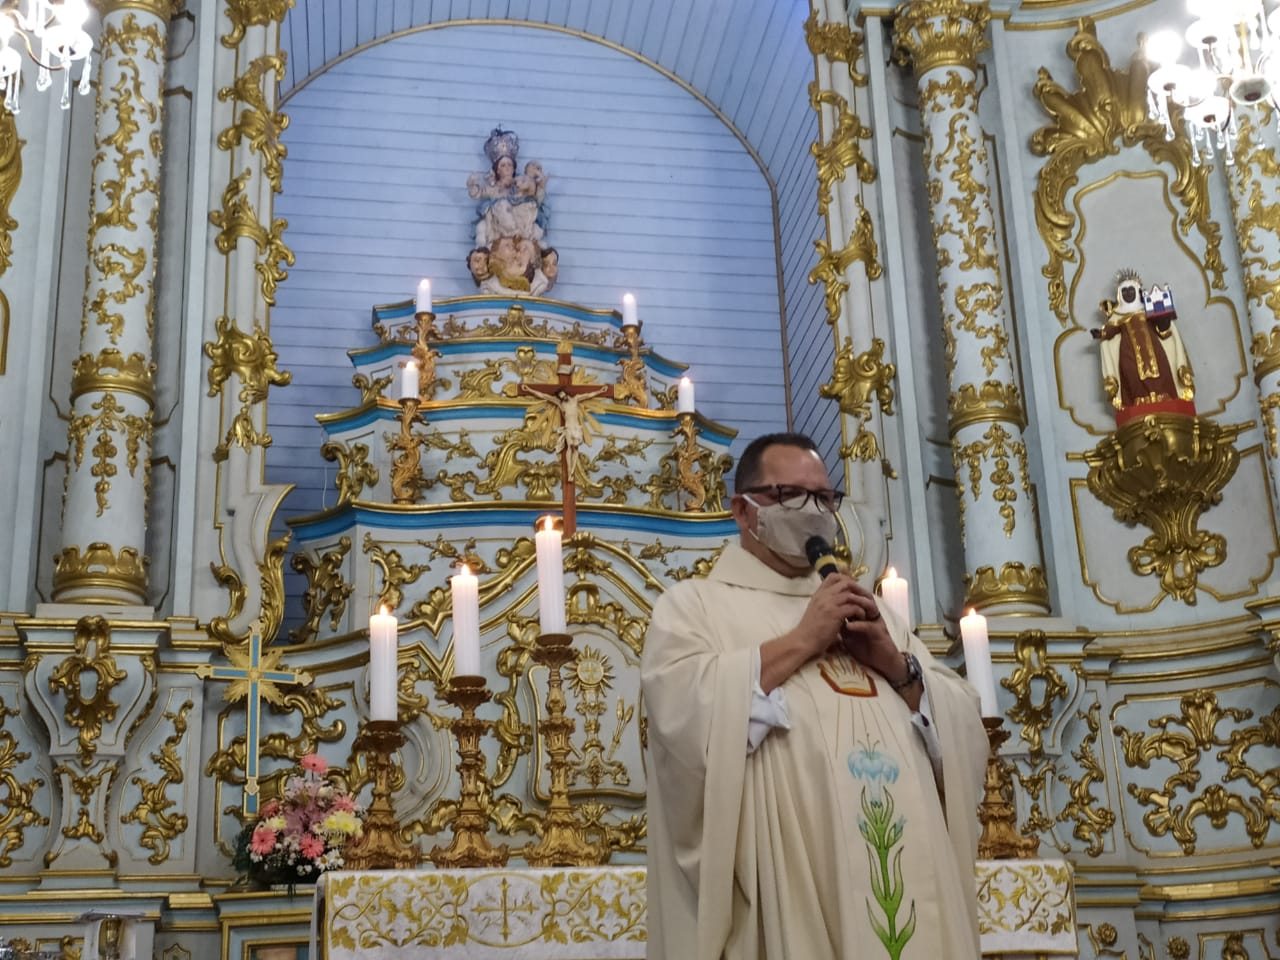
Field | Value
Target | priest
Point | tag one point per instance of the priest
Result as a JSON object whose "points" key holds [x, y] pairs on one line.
{"points": [[814, 774]]}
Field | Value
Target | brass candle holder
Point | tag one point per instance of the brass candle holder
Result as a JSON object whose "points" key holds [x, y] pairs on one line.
{"points": [[564, 842], [997, 813], [379, 846], [407, 478], [470, 846]]}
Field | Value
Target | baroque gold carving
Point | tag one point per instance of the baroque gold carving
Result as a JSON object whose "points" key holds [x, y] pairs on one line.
{"points": [[252, 13], [1199, 716], [236, 219], [1107, 112], [836, 41], [88, 710], [252, 358], [998, 446], [110, 420], [1033, 676], [992, 401], [1164, 471], [632, 381], [271, 584], [355, 472], [258, 123], [100, 566], [370, 390], [940, 33], [843, 150], [10, 177], [1015, 583], [1092, 820], [395, 574], [832, 264], [514, 323], [133, 374], [326, 590], [160, 826], [17, 806], [855, 379]]}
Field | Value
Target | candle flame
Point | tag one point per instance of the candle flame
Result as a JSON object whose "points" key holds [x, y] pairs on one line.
{"points": [[972, 612], [685, 380], [464, 571], [892, 574], [411, 366], [382, 610], [546, 523], [628, 298]]}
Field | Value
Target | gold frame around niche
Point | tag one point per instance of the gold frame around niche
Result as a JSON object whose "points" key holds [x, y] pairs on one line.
{"points": [[1076, 326], [1108, 111]]}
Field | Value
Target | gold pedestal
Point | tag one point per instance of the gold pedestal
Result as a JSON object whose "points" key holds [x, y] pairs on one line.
{"points": [[470, 846], [564, 842], [1000, 838], [380, 846]]}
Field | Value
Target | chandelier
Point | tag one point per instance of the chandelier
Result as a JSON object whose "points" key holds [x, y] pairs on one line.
{"points": [[1238, 47], [53, 33]]}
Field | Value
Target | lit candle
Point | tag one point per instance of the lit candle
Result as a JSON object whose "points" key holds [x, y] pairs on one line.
{"points": [[977, 661], [409, 381], [684, 396], [893, 590], [465, 589], [629, 316], [422, 303], [383, 665], [550, 578]]}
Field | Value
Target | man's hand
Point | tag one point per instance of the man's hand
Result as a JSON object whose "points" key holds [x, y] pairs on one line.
{"points": [[836, 600]]}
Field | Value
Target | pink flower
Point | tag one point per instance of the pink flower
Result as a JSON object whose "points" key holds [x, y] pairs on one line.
{"points": [[312, 846], [263, 840], [315, 763], [344, 802], [270, 808]]}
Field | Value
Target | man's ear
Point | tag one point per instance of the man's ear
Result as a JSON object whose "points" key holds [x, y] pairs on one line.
{"points": [[739, 507]]}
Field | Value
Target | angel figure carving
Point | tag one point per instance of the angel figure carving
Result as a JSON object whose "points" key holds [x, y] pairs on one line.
{"points": [[511, 254]]}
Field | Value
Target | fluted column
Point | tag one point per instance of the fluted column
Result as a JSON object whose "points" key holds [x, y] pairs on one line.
{"points": [[942, 39], [1255, 207], [109, 438]]}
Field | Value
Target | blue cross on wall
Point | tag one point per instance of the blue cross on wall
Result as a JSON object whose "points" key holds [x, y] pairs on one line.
{"points": [[254, 678]]}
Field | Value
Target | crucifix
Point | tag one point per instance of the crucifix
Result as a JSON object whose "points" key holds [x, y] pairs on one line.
{"points": [[566, 397], [254, 676]]}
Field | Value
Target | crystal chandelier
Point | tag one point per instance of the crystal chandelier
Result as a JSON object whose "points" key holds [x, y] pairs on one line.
{"points": [[1239, 66], [53, 33]]}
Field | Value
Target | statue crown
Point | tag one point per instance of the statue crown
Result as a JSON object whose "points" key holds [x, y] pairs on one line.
{"points": [[1127, 274], [501, 143]]}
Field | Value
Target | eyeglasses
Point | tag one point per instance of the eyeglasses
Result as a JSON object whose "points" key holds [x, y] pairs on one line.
{"points": [[796, 498]]}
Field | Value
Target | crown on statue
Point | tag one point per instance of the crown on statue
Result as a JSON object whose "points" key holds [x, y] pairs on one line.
{"points": [[501, 143], [1127, 274]]}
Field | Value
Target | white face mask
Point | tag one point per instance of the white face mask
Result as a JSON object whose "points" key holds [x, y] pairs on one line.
{"points": [[785, 531]]}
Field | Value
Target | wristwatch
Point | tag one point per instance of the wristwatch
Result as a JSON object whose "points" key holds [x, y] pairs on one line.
{"points": [[914, 672]]}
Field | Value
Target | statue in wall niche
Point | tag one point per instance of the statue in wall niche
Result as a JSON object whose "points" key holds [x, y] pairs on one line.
{"points": [[1145, 368], [511, 255]]}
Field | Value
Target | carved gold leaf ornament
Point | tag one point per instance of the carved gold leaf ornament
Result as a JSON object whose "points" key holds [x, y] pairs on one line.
{"points": [[326, 590], [101, 565], [1108, 111], [395, 574], [271, 585], [18, 804], [1033, 678], [1199, 718], [842, 150], [257, 123], [992, 400], [10, 176], [252, 13], [251, 357], [111, 370], [88, 706], [238, 219], [355, 472], [838, 42], [1164, 471], [1015, 583], [162, 825], [110, 420], [996, 447], [833, 264], [370, 389], [1093, 819], [930, 34]]}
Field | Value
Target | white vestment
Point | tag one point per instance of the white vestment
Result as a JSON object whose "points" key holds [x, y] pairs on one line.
{"points": [[830, 840]]}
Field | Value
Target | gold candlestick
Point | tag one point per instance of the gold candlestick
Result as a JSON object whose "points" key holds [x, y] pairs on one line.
{"points": [[380, 847], [470, 846], [425, 355], [632, 384], [688, 459], [564, 842], [1000, 838], [406, 469]]}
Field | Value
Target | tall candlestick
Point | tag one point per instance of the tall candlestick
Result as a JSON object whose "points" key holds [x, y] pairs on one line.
{"points": [[629, 315], [684, 396], [422, 302], [383, 665], [409, 381], [893, 590], [550, 578], [977, 661], [466, 623]]}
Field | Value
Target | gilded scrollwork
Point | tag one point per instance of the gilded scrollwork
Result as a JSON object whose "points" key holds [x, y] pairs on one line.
{"points": [[252, 358], [10, 176], [355, 472], [395, 574], [1033, 677], [690, 472], [271, 583], [843, 150], [591, 679], [855, 379], [930, 34], [109, 419], [838, 42], [252, 13], [1093, 819], [833, 264], [1199, 716], [1108, 111], [514, 323], [111, 370], [371, 389], [326, 589], [18, 805], [161, 825], [1164, 471], [258, 123], [236, 219], [101, 565], [997, 447], [992, 400], [88, 706], [632, 385], [1014, 583]]}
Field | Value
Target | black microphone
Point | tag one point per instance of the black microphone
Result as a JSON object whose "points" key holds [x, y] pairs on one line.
{"points": [[821, 556]]}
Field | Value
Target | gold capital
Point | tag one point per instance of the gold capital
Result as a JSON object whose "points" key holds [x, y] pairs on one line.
{"points": [[164, 9], [992, 400], [939, 33], [100, 567]]}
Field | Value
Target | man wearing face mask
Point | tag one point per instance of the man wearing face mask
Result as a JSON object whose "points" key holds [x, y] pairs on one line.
{"points": [[800, 739]]}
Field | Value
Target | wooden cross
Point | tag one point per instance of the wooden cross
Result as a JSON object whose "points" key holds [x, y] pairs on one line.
{"points": [[253, 677], [564, 395]]}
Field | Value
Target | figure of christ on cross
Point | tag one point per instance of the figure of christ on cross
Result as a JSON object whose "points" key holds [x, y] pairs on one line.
{"points": [[253, 677], [566, 397]]}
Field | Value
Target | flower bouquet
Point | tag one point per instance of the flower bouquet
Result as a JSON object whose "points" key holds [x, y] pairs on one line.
{"points": [[302, 834]]}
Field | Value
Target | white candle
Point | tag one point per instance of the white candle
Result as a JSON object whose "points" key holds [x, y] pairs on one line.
{"points": [[466, 623], [550, 578], [684, 396], [629, 315], [422, 303], [893, 590], [383, 665], [977, 661], [409, 381]]}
